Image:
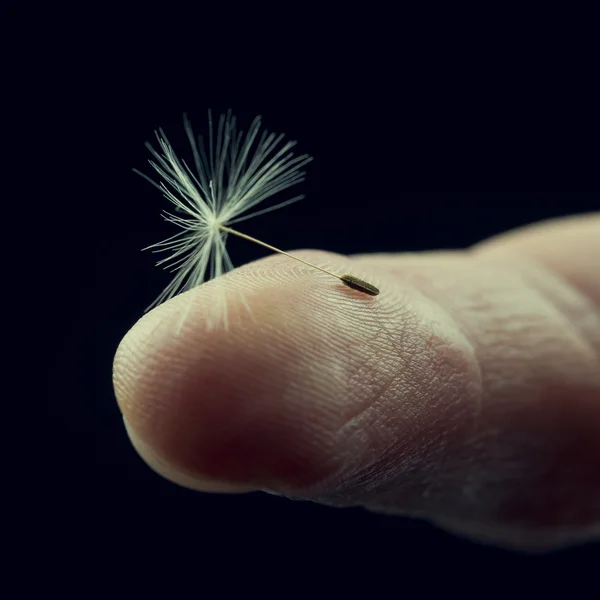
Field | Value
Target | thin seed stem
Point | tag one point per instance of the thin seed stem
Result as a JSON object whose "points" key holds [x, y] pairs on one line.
{"points": [[251, 239], [348, 280]]}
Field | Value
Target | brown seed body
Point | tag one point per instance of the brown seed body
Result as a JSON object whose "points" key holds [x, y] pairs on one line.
{"points": [[358, 284]]}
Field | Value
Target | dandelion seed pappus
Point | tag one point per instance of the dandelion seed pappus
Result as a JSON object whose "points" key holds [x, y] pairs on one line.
{"points": [[234, 173]]}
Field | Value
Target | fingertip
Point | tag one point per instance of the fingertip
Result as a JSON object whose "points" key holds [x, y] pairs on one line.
{"points": [[226, 404]]}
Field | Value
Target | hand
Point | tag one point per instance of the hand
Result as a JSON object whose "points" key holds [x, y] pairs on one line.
{"points": [[466, 393]]}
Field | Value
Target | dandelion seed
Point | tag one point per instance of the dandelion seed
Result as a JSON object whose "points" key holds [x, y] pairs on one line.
{"points": [[359, 285], [238, 173]]}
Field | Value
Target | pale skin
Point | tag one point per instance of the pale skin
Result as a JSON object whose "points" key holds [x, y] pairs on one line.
{"points": [[466, 393]]}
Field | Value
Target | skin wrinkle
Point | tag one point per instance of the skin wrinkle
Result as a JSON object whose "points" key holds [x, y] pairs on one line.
{"points": [[381, 356], [567, 246], [572, 306]]}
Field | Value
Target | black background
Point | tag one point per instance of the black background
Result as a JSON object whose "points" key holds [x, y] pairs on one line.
{"points": [[419, 143]]}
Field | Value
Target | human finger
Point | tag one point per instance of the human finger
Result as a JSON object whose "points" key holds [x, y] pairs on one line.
{"points": [[467, 392]]}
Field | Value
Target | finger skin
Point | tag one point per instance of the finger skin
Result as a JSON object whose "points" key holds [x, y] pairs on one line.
{"points": [[467, 392]]}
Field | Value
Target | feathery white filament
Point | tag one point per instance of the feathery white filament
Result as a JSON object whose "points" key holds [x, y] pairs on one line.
{"points": [[238, 173]]}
